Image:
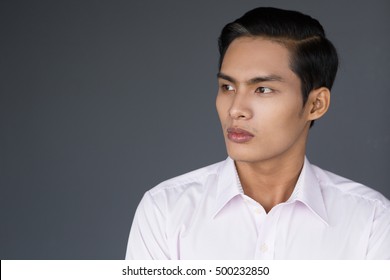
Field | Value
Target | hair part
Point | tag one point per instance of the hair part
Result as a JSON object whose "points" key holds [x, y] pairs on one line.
{"points": [[313, 58]]}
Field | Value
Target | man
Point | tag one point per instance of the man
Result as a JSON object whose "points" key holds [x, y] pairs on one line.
{"points": [[265, 201]]}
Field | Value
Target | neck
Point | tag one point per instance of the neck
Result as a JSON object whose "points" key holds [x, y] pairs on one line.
{"points": [[271, 182]]}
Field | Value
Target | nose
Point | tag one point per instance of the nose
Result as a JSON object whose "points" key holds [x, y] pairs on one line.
{"points": [[239, 109]]}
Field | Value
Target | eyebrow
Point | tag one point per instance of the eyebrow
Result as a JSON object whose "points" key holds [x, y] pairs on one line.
{"points": [[254, 80]]}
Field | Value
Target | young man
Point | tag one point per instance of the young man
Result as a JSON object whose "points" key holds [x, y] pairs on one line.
{"points": [[265, 201]]}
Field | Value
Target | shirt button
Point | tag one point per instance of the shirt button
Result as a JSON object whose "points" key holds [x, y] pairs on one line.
{"points": [[264, 248]]}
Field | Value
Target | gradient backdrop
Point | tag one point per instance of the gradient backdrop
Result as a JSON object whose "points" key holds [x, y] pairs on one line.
{"points": [[102, 100]]}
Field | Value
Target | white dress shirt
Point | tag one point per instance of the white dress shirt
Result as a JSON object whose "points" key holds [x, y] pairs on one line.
{"points": [[205, 214]]}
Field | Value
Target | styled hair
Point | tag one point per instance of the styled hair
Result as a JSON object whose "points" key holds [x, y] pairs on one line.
{"points": [[313, 58]]}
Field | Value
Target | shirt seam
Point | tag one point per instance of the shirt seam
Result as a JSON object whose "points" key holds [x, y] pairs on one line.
{"points": [[346, 192], [166, 185]]}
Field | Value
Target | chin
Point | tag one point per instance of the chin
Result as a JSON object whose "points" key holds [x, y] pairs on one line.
{"points": [[250, 154], [244, 155]]}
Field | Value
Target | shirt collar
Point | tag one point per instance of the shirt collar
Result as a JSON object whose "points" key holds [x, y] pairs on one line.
{"points": [[228, 185], [307, 189]]}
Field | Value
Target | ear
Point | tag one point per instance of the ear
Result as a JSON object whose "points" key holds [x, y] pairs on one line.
{"points": [[318, 103]]}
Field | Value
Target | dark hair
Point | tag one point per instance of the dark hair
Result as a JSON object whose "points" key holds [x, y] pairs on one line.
{"points": [[313, 57]]}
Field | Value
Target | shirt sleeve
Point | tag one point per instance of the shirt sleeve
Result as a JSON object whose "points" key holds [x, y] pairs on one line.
{"points": [[147, 239], [379, 242]]}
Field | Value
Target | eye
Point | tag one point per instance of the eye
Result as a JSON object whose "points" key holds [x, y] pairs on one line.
{"points": [[227, 88], [264, 90]]}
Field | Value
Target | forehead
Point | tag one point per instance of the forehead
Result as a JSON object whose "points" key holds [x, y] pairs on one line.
{"points": [[253, 56]]}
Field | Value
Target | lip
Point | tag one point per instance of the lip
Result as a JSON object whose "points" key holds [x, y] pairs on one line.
{"points": [[239, 135]]}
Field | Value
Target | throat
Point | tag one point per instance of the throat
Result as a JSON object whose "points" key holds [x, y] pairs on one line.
{"points": [[268, 188], [268, 197]]}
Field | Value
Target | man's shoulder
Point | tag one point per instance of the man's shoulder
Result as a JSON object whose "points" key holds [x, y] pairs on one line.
{"points": [[196, 178], [331, 182]]}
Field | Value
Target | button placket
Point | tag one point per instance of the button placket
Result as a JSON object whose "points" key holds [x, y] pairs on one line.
{"points": [[266, 238]]}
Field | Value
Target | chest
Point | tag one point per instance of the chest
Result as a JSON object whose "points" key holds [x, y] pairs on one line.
{"points": [[246, 232]]}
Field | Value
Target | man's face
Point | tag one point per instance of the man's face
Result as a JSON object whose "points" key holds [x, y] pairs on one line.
{"points": [[259, 102]]}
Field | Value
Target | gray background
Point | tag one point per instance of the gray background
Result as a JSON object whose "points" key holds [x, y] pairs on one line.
{"points": [[102, 100]]}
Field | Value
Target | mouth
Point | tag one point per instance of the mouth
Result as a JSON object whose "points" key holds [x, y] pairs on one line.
{"points": [[238, 135]]}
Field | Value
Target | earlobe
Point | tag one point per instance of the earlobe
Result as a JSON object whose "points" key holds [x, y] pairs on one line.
{"points": [[319, 101]]}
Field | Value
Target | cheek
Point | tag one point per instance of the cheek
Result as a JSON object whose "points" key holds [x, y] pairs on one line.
{"points": [[279, 116], [222, 105]]}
